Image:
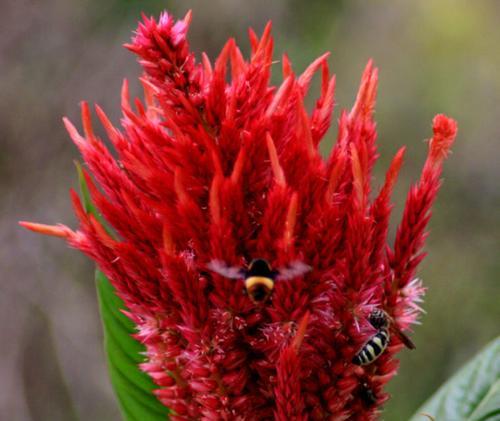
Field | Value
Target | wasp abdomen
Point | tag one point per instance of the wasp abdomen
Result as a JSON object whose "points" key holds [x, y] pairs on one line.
{"points": [[372, 349]]}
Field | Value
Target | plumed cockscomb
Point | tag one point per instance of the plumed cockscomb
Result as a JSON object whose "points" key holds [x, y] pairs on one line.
{"points": [[217, 165]]}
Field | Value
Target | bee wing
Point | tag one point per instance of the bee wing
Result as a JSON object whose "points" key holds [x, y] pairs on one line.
{"points": [[220, 267], [404, 338], [294, 269]]}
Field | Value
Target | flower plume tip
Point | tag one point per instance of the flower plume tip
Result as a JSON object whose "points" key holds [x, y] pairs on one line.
{"points": [[279, 175], [301, 331], [86, 120], [58, 230], [286, 66], [445, 131], [125, 96], [168, 243], [73, 133], [188, 17]]}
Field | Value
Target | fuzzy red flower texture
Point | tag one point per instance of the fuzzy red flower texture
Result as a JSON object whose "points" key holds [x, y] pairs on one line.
{"points": [[216, 164]]}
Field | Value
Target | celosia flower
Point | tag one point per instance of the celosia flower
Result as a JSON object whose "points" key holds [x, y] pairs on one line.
{"points": [[219, 164]]}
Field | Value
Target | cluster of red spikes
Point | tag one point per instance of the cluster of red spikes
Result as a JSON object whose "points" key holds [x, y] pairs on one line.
{"points": [[216, 163]]}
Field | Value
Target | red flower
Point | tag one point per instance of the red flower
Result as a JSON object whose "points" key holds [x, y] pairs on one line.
{"points": [[225, 167]]}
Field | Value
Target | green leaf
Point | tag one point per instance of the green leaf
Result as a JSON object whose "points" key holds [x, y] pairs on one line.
{"points": [[84, 189], [133, 387], [87, 201], [472, 394]]}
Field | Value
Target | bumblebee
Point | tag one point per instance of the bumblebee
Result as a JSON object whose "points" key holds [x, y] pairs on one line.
{"points": [[378, 343], [259, 276]]}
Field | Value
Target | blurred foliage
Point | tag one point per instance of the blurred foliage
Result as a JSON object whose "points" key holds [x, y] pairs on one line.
{"points": [[41, 385], [472, 394], [439, 56]]}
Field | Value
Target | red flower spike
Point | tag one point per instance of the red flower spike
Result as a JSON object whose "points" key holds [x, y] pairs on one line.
{"points": [[218, 164]]}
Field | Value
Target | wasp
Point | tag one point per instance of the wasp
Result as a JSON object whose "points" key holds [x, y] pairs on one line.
{"points": [[259, 276], [377, 344], [367, 395]]}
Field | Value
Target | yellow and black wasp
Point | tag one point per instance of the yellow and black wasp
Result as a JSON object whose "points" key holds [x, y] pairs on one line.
{"points": [[377, 344]]}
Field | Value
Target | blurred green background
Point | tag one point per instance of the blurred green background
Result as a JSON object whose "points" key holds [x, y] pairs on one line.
{"points": [[434, 56]]}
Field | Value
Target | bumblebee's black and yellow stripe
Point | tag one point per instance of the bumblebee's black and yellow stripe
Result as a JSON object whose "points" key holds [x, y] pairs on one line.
{"points": [[372, 349], [259, 287], [259, 276]]}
